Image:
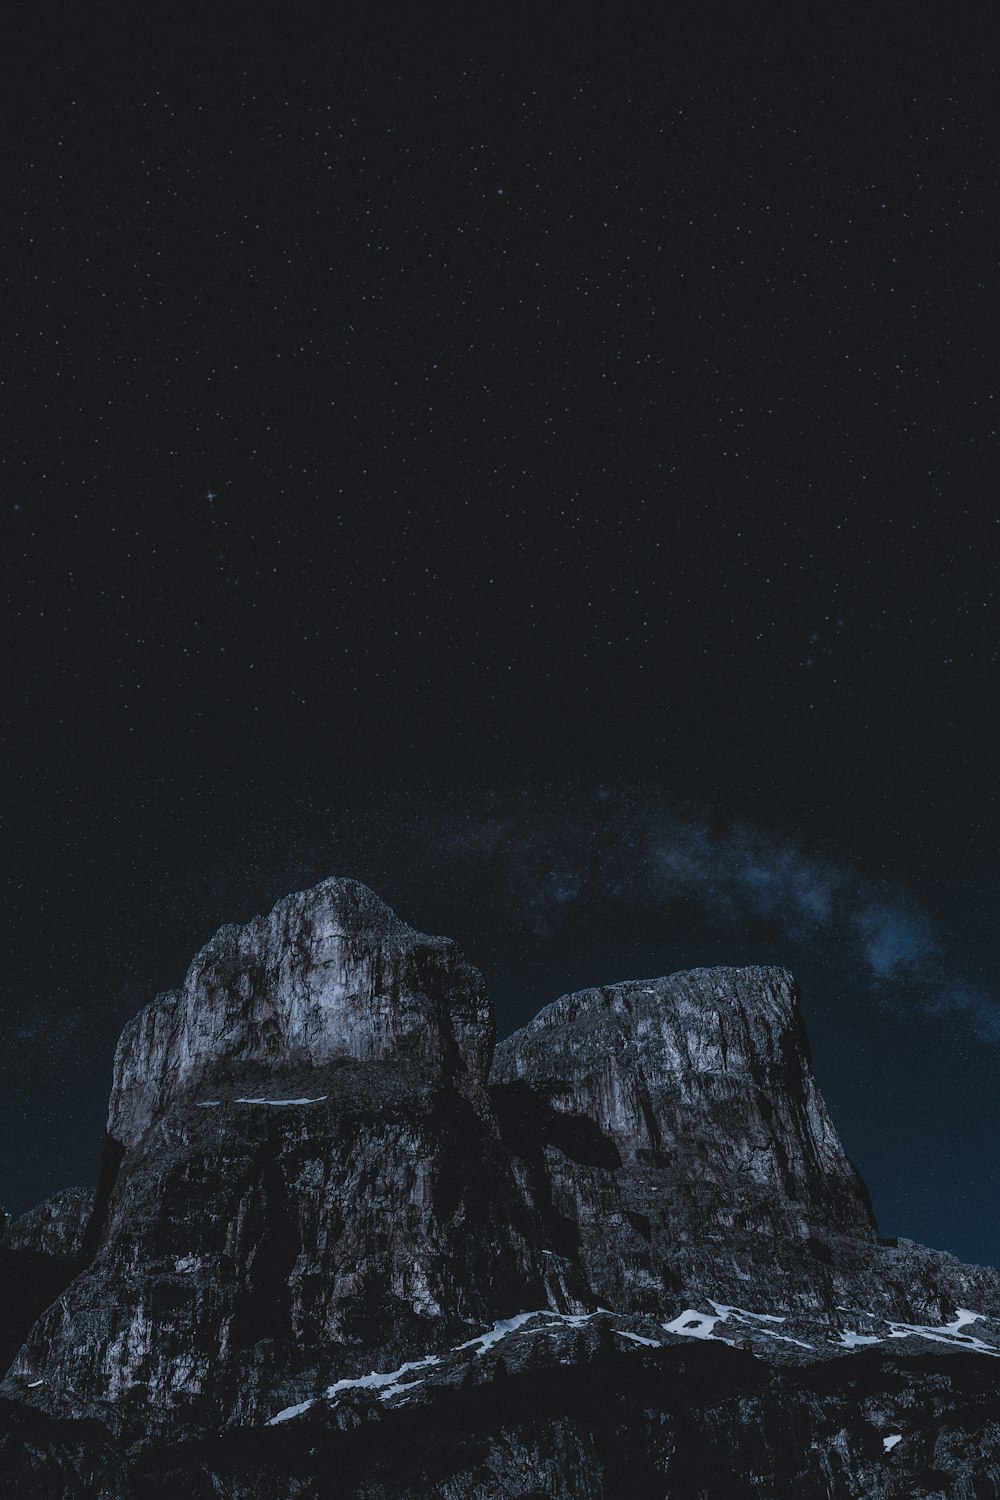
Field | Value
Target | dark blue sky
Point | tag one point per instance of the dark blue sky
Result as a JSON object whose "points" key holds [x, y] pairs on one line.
{"points": [[603, 440]]}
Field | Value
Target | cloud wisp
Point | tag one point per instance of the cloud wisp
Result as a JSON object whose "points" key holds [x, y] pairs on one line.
{"points": [[551, 857]]}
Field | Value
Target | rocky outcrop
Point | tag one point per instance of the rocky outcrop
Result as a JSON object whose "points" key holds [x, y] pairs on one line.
{"points": [[671, 1137], [57, 1227], [633, 1259], [329, 975], [306, 1177], [676, 1113], [706, 1078], [589, 1416], [570, 1410], [42, 1458], [40, 1253]]}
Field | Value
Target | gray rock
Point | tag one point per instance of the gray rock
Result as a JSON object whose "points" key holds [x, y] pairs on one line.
{"points": [[705, 1077], [40, 1253], [329, 974], [672, 1138], [319, 1206], [307, 1178], [56, 1227]]}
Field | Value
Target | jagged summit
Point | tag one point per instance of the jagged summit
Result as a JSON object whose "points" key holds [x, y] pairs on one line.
{"points": [[705, 1074], [329, 973], [319, 1206]]}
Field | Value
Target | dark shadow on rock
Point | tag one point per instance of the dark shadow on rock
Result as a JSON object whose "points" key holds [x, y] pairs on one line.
{"points": [[528, 1122], [29, 1283]]}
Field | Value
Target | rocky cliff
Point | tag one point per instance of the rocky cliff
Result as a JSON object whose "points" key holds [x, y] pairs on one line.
{"points": [[706, 1128], [329, 975], [40, 1253], [303, 1177], [329, 1240]]}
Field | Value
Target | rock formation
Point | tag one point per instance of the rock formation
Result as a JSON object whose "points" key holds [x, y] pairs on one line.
{"points": [[328, 1240], [712, 1130], [40, 1253], [306, 1177]]}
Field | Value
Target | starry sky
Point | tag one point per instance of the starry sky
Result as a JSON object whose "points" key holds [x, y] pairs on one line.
{"points": [[548, 473]]}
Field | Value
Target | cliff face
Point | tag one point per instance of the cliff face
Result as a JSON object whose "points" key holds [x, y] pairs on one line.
{"points": [[327, 1240], [308, 1177], [704, 1076], [673, 1115], [40, 1253], [330, 974], [56, 1228]]}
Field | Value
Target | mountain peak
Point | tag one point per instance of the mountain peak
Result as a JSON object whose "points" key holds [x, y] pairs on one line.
{"points": [[330, 973]]}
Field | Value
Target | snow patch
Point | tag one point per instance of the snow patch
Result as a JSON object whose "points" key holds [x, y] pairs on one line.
{"points": [[387, 1383], [696, 1325], [964, 1316], [318, 1100], [850, 1340], [689, 1324], [390, 1383], [946, 1333], [289, 1412], [638, 1339], [503, 1326]]}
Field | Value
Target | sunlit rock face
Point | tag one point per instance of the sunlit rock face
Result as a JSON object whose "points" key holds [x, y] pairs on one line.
{"points": [[303, 1177]]}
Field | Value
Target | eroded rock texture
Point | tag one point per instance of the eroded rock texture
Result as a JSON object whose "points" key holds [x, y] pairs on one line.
{"points": [[40, 1253], [330, 974], [332, 1254], [308, 1178], [672, 1138]]}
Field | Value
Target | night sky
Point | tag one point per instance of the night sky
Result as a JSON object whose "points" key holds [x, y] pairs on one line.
{"points": [[552, 478]]}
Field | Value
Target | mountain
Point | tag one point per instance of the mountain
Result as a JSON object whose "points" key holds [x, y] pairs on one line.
{"points": [[340, 1233], [40, 1253]]}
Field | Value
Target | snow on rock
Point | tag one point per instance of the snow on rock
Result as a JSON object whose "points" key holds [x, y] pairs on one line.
{"points": [[850, 1340], [695, 1325], [317, 1100], [389, 1383], [289, 1412], [385, 1383], [945, 1334], [963, 1317]]}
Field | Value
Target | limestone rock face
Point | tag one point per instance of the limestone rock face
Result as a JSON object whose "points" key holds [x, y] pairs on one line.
{"points": [[303, 1177], [705, 1076], [632, 1259], [330, 973], [672, 1139], [40, 1253], [56, 1227]]}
